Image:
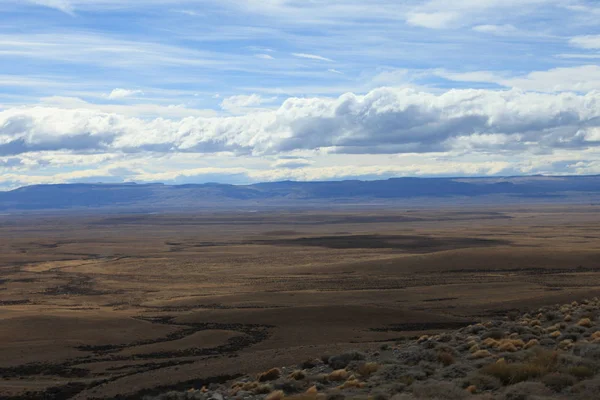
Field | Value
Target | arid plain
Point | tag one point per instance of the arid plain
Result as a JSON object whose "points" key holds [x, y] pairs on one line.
{"points": [[108, 306]]}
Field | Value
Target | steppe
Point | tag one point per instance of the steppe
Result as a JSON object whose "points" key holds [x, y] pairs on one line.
{"points": [[122, 306]]}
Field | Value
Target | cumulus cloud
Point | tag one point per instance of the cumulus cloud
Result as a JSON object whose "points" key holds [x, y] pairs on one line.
{"points": [[123, 93], [384, 121], [244, 103]]}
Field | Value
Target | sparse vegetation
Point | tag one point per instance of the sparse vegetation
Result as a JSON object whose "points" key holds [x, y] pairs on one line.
{"points": [[496, 362]]}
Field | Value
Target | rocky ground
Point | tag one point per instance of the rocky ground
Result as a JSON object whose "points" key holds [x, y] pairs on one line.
{"points": [[553, 353]]}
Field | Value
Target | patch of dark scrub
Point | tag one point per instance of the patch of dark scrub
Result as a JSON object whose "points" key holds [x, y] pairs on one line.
{"points": [[416, 243], [253, 334], [439, 299], [64, 392], [180, 386], [43, 369], [139, 368], [24, 280], [77, 286], [526, 270], [422, 326], [214, 306], [14, 302]]}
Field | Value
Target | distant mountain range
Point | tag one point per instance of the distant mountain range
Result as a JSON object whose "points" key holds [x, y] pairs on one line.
{"points": [[409, 191]]}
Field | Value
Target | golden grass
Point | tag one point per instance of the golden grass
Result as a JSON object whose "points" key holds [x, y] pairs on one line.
{"points": [[276, 395], [338, 375], [270, 375]]}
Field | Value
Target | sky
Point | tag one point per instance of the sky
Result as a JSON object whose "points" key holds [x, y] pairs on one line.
{"points": [[243, 91]]}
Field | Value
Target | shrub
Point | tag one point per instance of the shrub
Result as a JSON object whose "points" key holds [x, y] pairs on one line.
{"points": [[342, 360], [445, 358], [483, 382], [553, 315], [496, 334], [270, 375], [510, 374], [558, 381], [538, 364], [439, 390], [581, 372], [526, 390], [585, 322], [367, 369]]}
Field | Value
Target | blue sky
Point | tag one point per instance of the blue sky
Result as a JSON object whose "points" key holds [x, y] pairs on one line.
{"points": [[245, 91]]}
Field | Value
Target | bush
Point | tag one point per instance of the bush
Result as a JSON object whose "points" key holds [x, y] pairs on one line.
{"points": [[509, 374], [342, 360], [439, 390], [558, 381], [581, 372], [446, 358], [526, 390], [495, 334], [483, 382], [538, 364], [367, 369]]}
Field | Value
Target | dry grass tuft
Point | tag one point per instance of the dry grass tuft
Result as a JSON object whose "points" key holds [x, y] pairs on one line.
{"points": [[507, 346], [538, 365], [276, 395], [338, 375], [532, 343], [263, 389], [585, 322], [270, 375], [297, 375], [352, 383], [312, 390], [481, 354], [555, 334], [367, 369]]}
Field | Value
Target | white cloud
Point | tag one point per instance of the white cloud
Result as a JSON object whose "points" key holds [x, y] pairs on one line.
{"points": [[583, 78], [240, 102], [142, 110], [61, 5], [123, 93], [265, 56], [384, 121], [311, 57], [499, 30], [334, 71], [433, 20], [586, 42]]}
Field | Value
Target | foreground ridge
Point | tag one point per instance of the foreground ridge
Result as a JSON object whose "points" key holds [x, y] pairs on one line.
{"points": [[553, 353]]}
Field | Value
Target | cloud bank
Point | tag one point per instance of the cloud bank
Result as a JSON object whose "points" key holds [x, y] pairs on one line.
{"points": [[383, 121]]}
